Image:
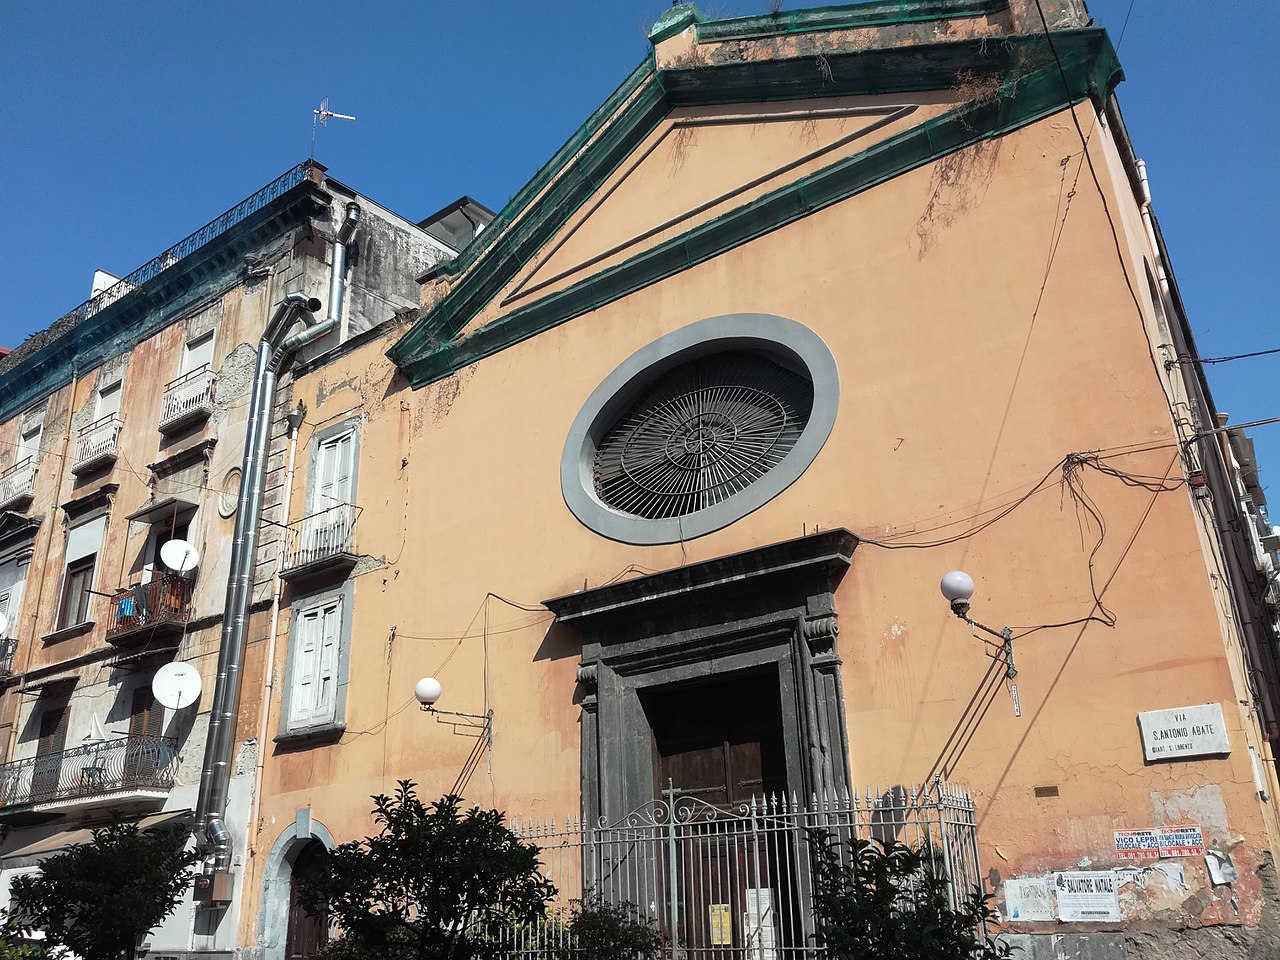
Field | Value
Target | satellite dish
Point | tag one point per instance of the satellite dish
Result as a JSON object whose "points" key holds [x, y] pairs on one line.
{"points": [[4, 624], [176, 685], [179, 556]]}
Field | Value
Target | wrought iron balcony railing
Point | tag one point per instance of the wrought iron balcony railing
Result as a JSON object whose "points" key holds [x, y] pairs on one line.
{"points": [[96, 445], [7, 649], [187, 400], [164, 601], [321, 542], [210, 231], [105, 768], [17, 483]]}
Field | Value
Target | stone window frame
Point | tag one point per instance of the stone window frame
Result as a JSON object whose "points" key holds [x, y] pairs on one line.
{"points": [[335, 726], [790, 343]]}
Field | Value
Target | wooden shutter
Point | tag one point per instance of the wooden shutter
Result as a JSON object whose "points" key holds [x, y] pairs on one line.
{"points": [[305, 655], [146, 717], [334, 469], [53, 730], [330, 642]]}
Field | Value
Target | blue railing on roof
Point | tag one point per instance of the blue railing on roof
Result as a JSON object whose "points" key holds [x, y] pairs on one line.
{"points": [[214, 228]]}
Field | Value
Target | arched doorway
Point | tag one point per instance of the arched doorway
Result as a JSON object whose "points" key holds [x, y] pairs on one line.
{"points": [[306, 933]]}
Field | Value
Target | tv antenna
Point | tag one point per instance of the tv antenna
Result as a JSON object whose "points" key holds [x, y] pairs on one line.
{"points": [[320, 118]]}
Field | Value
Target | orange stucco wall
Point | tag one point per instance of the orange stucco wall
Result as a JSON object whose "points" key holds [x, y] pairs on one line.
{"points": [[963, 384]]}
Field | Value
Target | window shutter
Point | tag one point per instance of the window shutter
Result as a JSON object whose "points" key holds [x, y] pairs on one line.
{"points": [[109, 401], [199, 353], [14, 606], [327, 669], [344, 468], [30, 445], [146, 717], [85, 539], [334, 467], [302, 692]]}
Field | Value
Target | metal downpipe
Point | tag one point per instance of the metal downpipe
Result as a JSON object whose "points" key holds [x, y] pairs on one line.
{"points": [[338, 271], [215, 775]]}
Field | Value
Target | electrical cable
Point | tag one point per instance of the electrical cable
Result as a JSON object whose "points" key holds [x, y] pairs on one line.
{"points": [[1234, 356], [1124, 26]]}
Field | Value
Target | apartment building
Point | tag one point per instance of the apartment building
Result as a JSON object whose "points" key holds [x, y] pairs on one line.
{"points": [[123, 430]]}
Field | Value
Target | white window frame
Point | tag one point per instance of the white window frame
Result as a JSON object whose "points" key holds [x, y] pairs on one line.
{"points": [[315, 694]]}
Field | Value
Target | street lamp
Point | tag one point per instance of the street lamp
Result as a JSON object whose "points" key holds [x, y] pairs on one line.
{"points": [[957, 587], [428, 691]]}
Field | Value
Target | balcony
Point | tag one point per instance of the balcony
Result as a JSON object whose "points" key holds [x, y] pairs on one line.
{"points": [[321, 544], [7, 649], [17, 484], [187, 400], [107, 773], [96, 445], [150, 610]]}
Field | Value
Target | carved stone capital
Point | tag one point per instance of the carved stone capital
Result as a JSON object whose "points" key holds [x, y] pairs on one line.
{"points": [[589, 676]]}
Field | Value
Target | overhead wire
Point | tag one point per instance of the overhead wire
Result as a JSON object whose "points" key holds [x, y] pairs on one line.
{"points": [[1228, 359]]}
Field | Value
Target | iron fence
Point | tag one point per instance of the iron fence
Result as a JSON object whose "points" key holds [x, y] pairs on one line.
{"points": [[152, 268], [105, 766], [321, 536], [718, 884], [162, 600], [186, 398], [18, 482], [96, 443]]}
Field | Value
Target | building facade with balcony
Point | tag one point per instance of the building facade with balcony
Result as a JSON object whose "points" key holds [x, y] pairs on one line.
{"points": [[122, 429], [670, 468]]}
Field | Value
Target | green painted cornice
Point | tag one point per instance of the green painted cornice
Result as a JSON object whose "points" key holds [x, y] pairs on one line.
{"points": [[1032, 87], [845, 16], [675, 20], [74, 346]]}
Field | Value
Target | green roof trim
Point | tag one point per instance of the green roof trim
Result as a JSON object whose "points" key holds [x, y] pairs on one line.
{"points": [[845, 16], [643, 73], [428, 352], [675, 20]]}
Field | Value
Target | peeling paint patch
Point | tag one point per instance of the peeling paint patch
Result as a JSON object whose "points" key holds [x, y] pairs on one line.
{"points": [[1203, 804]]}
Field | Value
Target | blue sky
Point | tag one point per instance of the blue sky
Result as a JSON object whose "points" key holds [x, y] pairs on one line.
{"points": [[127, 126]]}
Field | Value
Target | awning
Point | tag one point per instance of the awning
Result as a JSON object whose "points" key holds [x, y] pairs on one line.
{"points": [[137, 656], [54, 842], [157, 511], [39, 684]]}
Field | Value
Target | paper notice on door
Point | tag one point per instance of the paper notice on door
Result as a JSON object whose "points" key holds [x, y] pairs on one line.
{"points": [[721, 925], [1026, 900], [1085, 895], [760, 925]]}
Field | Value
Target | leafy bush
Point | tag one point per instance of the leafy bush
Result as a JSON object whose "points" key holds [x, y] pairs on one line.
{"points": [[99, 899], [885, 901], [611, 931], [434, 882]]}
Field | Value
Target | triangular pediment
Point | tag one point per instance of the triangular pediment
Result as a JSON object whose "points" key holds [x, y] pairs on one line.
{"points": [[700, 163], [673, 169]]}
